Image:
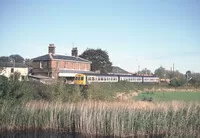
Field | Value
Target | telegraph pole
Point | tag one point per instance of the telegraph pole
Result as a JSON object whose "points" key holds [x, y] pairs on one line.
{"points": [[173, 69]]}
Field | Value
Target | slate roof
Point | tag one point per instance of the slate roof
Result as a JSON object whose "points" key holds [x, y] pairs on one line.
{"points": [[118, 70], [60, 57], [74, 71], [16, 65]]}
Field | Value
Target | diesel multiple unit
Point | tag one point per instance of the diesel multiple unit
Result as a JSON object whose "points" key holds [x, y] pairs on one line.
{"points": [[85, 79]]}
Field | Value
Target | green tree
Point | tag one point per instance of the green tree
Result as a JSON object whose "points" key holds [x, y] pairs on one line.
{"points": [[160, 72], [145, 71], [4, 59], [28, 62], [195, 79], [100, 60], [17, 58]]}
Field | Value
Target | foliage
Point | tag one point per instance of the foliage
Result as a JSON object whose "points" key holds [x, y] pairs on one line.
{"points": [[4, 59], [17, 58], [195, 79], [4, 86], [145, 71], [15, 76], [160, 72], [28, 62], [100, 60]]}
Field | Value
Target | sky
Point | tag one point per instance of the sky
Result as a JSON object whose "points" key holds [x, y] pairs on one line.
{"points": [[137, 34]]}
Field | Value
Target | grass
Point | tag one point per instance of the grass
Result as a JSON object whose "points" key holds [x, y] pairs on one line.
{"points": [[105, 118], [169, 96], [107, 91], [63, 108]]}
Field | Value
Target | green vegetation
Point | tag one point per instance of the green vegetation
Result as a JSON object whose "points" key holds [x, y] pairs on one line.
{"points": [[31, 105], [104, 118], [169, 96]]}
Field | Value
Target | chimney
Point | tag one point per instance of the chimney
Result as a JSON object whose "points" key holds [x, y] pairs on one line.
{"points": [[75, 52], [51, 49]]}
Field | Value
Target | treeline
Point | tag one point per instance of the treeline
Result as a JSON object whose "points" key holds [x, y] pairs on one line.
{"points": [[177, 78], [15, 58]]}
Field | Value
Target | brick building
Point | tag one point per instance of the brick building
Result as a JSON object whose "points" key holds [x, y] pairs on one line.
{"points": [[60, 66]]}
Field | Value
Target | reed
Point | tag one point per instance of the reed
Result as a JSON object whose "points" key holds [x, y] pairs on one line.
{"points": [[105, 118]]}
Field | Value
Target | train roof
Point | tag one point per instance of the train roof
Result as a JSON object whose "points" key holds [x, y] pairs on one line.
{"points": [[97, 74]]}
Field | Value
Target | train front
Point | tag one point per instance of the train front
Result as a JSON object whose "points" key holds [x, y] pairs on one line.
{"points": [[80, 79]]}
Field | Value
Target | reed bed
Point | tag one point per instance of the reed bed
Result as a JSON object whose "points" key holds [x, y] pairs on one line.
{"points": [[105, 118]]}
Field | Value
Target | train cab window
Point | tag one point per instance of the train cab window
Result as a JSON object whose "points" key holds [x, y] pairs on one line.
{"points": [[81, 78], [92, 78]]}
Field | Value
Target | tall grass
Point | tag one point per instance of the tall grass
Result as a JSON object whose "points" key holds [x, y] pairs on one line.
{"points": [[105, 118]]}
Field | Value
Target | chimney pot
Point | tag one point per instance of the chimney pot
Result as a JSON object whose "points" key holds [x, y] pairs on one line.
{"points": [[75, 52], [52, 48]]}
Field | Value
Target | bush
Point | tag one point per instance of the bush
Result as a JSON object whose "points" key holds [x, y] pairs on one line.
{"points": [[4, 86], [177, 82]]}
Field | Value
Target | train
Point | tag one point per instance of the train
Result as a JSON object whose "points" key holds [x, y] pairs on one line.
{"points": [[86, 78]]}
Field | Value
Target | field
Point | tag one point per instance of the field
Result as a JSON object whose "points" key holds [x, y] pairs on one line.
{"points": [[104, 109], [169, 96]]}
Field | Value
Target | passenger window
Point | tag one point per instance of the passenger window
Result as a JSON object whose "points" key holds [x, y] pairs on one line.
{"points": [[89, 78]]}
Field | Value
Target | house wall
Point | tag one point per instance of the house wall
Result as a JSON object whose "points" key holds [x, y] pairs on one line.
{"points": [[8, 71], [51, 68]]}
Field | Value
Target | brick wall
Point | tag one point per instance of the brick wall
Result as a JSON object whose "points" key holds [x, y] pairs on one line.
{"points": [[57, 64], [51, 68]]}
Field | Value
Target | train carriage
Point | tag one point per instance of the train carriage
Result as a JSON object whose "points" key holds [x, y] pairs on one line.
{"points": [[86, 78]]}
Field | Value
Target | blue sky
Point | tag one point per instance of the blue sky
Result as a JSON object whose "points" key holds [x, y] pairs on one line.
{"points": [[145, 33]]}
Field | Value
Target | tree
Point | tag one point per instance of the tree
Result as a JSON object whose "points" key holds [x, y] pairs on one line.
{"points": [[195, 79], [4, 59], [100, 60], [188, 75], [145, 71], [28, 62], [17, 58], [160, 72]]}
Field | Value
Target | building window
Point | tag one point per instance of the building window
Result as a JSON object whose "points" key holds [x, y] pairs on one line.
{"points": [[41, 66], [12, 70]]}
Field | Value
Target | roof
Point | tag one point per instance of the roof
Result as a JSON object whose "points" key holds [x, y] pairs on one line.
{"points": [[9, 64], [39, 77], [118, 70], [60, 57], [73, 71]]}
